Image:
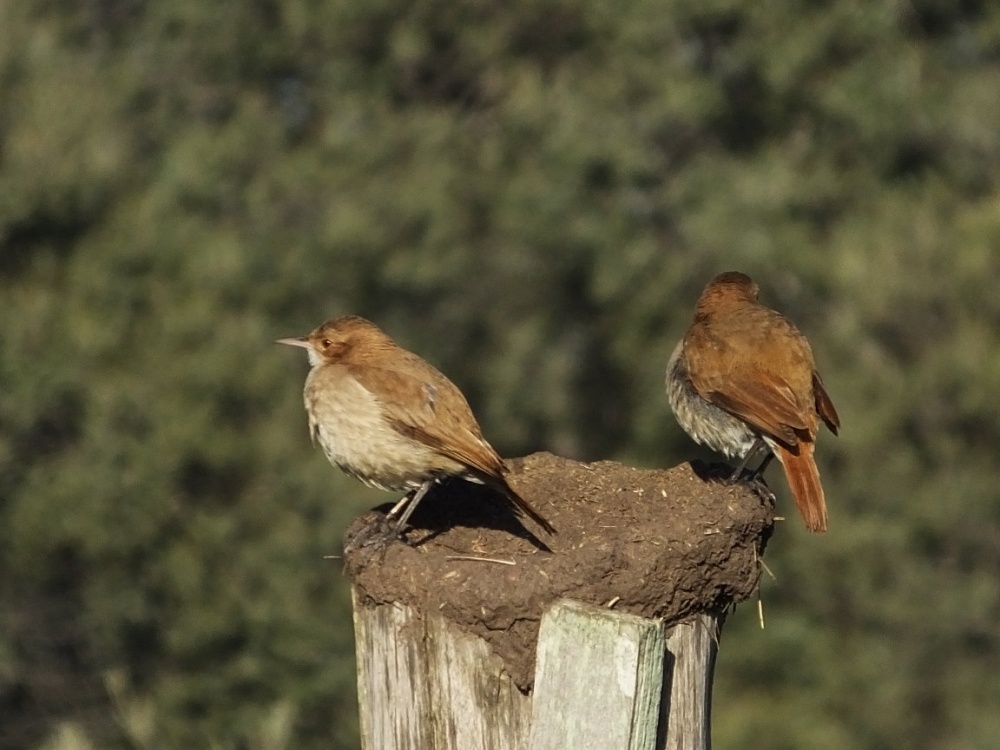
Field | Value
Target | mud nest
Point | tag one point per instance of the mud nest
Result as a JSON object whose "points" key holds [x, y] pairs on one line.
{"points": [[656, 543]]}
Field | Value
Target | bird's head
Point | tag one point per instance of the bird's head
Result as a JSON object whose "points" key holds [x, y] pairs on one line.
{"points": [[339, 339], [727, 291]]}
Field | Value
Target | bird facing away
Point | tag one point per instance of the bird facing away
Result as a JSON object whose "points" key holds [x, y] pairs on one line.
{"points": [[385, 416], [743, 380]]}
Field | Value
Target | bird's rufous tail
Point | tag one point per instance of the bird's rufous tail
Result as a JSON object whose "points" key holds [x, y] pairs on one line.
{"points": [[803, 479]]}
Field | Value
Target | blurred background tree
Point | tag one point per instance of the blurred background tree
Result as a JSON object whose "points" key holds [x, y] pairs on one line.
{"points": [[531, 195]]}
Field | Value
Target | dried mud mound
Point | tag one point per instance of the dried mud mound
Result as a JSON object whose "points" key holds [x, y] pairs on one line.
{"points": [[657, 543]]}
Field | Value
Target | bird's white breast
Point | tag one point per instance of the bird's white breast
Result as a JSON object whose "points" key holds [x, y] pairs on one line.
{"points": [[349, 424]]}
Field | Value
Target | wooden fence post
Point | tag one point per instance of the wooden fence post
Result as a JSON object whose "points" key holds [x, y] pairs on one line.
{"points": [[686, 709], [599, 679], [475, 639], [425, 684]]}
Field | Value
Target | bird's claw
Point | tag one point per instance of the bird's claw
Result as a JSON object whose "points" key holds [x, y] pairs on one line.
{"points": [[760, 489], [377, 534], [755, 481]]}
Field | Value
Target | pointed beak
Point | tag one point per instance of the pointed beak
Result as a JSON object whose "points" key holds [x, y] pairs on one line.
{"points": [[302, 341]]}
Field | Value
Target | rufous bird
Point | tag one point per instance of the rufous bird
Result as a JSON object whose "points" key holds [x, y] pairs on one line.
{"points": [[388, 418], [742, 381]]}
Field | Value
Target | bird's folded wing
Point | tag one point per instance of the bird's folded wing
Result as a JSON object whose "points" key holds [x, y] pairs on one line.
{"points": [[427, 407], [765, 402], [824, 404]]}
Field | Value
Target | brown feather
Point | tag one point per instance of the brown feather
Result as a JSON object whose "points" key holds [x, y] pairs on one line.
{"points": [[803, 479], [754, 363], [761, 408], [485, 464], [824, 405], [439, 418]]}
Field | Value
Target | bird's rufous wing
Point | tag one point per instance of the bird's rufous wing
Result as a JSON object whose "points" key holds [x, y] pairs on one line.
{"points": [[824, 404], [764, 403], [754, 392], [425, 406]]}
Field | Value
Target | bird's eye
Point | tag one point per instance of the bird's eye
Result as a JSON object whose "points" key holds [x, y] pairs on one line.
{"points": [[327, 343]]}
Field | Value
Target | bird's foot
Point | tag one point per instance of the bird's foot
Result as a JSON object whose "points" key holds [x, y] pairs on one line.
{"points": [[755, 481], [374, 536], [760, 488]]}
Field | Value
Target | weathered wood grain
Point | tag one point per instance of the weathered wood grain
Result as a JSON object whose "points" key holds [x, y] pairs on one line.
{"points": [[685, 714], [423, 683], [598, 681]]}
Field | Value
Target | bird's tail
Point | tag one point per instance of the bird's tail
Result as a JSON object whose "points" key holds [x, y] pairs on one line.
{"points": [[499, 483], [803, 479]]}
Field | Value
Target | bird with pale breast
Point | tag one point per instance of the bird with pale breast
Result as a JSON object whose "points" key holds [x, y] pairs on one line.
{"points": [[390, 419], [743, 381]]}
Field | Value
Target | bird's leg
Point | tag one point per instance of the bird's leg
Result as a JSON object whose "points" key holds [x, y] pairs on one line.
{"points": [[414, 499], [400, 505], [763, 465], [755, 477], [758, 446], [380, 531]]}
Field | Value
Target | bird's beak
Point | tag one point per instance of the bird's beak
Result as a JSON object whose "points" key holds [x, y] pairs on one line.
{"points": [[302, 341]]}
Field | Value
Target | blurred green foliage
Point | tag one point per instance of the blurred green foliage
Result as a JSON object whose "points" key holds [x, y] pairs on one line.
{"points": [[531, 195]]}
